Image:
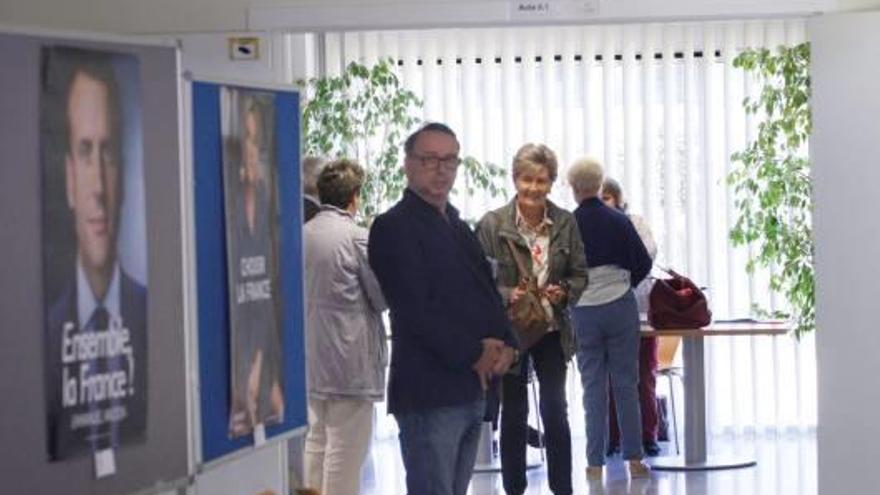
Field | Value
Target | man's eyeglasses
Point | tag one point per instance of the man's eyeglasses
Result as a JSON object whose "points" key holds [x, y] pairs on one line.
{"points": [[435, 162]]}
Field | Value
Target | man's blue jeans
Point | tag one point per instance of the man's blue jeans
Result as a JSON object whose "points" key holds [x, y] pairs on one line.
{"points": [[439, 447]]}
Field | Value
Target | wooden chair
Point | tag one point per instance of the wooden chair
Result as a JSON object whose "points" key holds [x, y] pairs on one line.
{"points": [[667, 347]]}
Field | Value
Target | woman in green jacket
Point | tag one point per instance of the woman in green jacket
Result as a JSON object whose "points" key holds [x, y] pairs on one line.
{"points": [[547, 240]]}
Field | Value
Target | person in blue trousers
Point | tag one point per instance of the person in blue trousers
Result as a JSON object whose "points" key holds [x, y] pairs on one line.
{"points": [[606, 319]]}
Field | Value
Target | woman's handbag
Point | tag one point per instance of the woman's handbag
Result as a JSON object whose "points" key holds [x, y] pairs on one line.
{"points": [[677, 303], [527, 314]]}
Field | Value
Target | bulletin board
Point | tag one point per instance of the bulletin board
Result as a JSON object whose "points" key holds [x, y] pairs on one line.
{"points": [[213, 243], [62, 401]]}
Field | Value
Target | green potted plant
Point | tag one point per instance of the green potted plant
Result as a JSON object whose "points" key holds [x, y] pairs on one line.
{"points": [[771, 179], [365, 113]]}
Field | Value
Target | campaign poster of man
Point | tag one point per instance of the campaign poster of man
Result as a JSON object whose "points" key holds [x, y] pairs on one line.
{"points": [[251, 204], [94, 250]]}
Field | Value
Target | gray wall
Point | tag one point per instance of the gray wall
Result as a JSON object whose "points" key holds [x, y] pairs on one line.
{"points": [[845, 150], [23, 457]]}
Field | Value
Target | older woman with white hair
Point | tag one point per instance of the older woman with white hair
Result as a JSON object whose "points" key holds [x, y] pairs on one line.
{"points": [[606, 319], [612, 196]]}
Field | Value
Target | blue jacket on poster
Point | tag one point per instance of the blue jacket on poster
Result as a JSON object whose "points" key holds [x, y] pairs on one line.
{"points": [[443, 302]]}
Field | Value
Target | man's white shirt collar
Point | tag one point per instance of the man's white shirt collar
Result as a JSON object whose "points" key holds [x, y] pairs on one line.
{"points": [[85, 299]]}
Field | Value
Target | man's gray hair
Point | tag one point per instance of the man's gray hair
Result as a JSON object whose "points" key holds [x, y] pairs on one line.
{"points": [[410, 144], [311, 169], [585, 176]]}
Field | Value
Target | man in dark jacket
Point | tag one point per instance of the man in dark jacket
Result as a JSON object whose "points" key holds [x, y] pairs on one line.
{"points": [[450, 335]]}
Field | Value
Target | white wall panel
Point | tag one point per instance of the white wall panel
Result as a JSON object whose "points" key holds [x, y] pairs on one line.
{"points": [[845, 146]]}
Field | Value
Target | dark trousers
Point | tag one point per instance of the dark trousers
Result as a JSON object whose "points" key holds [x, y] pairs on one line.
{"points": [[550, 368], [647, 395]]}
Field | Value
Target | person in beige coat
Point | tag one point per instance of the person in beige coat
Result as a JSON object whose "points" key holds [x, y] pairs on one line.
{"points": [[345, 338]]}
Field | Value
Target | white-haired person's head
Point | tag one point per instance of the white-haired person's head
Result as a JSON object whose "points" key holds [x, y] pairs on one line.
{"points": [[585, 177]]}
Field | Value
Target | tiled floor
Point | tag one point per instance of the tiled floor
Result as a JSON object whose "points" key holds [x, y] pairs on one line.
{"points": [[786, 466]]}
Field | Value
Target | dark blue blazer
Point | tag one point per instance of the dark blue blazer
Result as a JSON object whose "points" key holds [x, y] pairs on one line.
{"points": [[62, 439], [443, 301]]}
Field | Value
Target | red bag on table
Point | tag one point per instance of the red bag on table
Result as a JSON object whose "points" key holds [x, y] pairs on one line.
{"points": [[677, 303]]}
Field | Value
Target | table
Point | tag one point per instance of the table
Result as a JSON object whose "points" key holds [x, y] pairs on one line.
{"points": [[695, 457]]}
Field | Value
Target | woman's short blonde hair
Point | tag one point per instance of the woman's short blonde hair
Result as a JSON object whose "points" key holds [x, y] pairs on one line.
{"points": [[585, 176], [535, 155]]}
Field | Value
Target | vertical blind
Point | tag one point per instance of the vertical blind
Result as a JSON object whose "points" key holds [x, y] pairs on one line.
{"points": [[661, 106]]}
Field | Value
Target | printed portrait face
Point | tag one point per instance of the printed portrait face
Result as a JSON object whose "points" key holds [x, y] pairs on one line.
{"points": [[93, 171]]}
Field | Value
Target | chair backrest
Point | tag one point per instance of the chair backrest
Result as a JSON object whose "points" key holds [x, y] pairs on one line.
{"points": [[667, 346]]}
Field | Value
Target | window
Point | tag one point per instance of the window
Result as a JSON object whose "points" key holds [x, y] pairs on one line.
{"points": [[660, 106]]}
